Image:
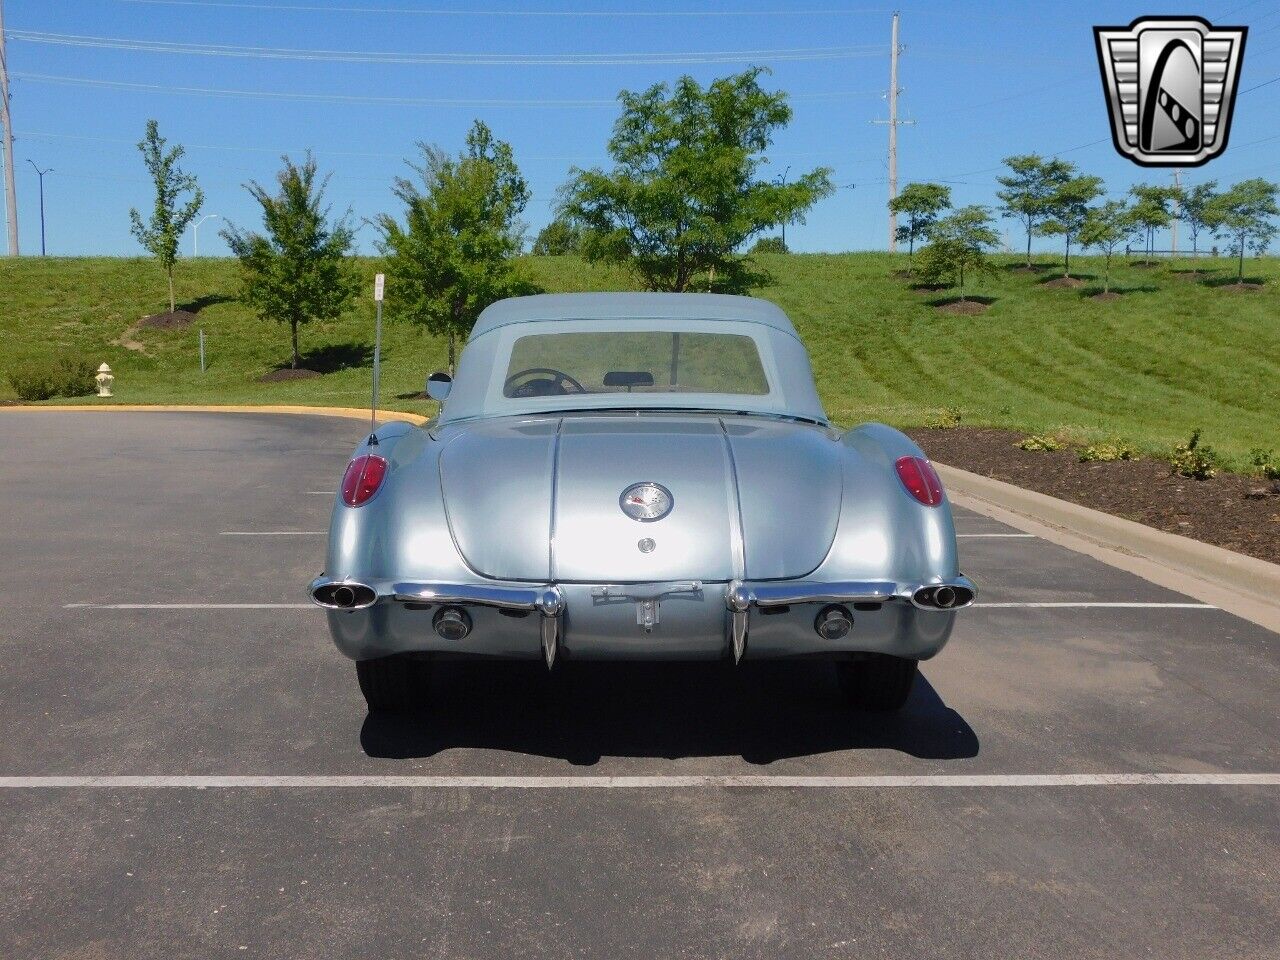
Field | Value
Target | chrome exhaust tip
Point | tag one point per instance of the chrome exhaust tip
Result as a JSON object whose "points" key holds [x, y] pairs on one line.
{"points": [[944, 597], [344, 595]]}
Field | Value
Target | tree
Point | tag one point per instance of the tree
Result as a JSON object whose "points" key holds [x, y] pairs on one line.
{"points": [[556, 239], [1066, 210], [957, 243], [1104, 229], [770, 245], [298, 271], [1028, 187], [1193, 206], [1243, 214], [683, 194], [1151, 211], [169, 221], [455, 253], [921, 204]]}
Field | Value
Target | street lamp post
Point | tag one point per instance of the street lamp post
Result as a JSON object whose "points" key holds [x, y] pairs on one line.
{"points": [[41, 174], [195, 232]]}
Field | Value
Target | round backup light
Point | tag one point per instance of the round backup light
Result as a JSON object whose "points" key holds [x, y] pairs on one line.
{"points": [[833, 623], [452, 623], [363, 478]]}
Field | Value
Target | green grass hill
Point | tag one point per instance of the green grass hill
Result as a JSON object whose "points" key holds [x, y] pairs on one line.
{"points": [[1175, 352]]}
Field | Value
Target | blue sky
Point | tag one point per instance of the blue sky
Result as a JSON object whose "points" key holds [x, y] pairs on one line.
{"points": [[982, 80]]}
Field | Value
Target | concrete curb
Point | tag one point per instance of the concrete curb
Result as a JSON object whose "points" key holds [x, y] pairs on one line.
{"points": [[1245, 586], [354, 413]]}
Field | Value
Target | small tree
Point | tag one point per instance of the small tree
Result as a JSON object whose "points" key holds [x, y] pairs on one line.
{"points": [[556, 239], [298, 271], [921, 204], [1194, 206], [1244, 216], [1067, 208], [162, 233], [958, 244], [1151, 211], [455, 253], [683, 195], [1104, 229], [1031, 182]]}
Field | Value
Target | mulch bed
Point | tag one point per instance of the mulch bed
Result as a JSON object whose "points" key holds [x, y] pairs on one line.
{"points": [[1068, 282], [288, 373], [1231, 511], [965, 308], [1106, 297], [168, 321], [1239, 287]]}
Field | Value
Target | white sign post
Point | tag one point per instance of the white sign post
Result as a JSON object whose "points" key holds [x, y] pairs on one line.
{"points": [[378, 284]]}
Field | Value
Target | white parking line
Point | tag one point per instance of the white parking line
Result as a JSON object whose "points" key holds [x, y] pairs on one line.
{"points": [[1121, 605], [950, 781], [275, 533], [321, 493], [1092, 603], [189, 606], [1010, 536]]}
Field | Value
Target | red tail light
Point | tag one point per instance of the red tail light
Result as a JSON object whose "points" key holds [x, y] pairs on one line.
{"points": [[920, 479], [362, 479]]}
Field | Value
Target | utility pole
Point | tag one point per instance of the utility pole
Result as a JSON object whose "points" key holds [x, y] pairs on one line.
{"points": [[40, 173], [1173, 227], [893, 122], [784, 223], [10, 191]]}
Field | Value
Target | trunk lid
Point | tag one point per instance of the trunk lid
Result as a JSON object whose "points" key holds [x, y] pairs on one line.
{"points": [[540, 500]]}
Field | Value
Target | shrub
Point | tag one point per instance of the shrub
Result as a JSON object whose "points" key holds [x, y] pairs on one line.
{"points": [[945, 419], [1264, 463], [1108, 452], [1039, 441], [63, 377], [1192, 460]]}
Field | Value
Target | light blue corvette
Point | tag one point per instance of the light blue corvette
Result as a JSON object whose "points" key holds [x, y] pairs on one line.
{"points": [[638, 476]]}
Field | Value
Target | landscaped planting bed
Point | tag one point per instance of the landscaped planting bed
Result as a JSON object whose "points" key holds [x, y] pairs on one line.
{"points": [[1239, 513]]}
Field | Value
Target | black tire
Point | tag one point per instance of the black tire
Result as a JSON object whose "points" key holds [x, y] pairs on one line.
{"points": [[878, 683], [394, 684]]}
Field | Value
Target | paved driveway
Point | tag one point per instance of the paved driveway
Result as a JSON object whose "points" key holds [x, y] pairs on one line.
{"points": [[164, 509]]}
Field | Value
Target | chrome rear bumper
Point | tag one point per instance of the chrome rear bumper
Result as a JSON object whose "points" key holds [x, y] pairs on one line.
{"points": [[550, 601]]}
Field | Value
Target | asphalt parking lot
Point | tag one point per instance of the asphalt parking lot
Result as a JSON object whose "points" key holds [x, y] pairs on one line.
{"points": [[113, 521]]}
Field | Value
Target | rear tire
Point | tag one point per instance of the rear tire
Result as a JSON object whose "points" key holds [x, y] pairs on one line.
{"points": [[878, 683], [395, 684]]}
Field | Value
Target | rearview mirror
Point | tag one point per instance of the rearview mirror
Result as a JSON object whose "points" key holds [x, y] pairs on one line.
{"points": [[439, 385]]}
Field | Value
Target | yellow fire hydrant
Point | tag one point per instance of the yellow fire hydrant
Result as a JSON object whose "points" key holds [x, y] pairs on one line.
{"points": [[105, 379]]}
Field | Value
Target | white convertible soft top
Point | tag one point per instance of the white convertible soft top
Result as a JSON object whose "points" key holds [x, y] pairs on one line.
{"points": [[478, 384]]}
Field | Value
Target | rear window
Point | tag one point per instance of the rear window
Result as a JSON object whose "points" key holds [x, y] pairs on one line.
{"points": [[557, 364]]}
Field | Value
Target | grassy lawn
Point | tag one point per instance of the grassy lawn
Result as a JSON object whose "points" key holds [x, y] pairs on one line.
{"points": [[1172, 354]]}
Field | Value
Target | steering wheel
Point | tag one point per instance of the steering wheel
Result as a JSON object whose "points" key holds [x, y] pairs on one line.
{"points": [[553, 384]]}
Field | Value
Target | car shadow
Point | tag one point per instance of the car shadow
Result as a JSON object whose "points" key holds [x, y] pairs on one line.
{"points": [[760, 712]]}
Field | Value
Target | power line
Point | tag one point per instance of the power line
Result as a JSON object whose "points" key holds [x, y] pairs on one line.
{"points": [[364, 99], [455, 59], [312, 97], [444, 11]]}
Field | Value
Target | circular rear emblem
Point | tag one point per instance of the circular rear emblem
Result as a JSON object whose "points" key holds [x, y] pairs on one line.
{"points": [[646, 502]]}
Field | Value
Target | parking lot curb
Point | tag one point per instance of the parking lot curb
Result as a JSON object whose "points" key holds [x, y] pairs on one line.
{"points": [[1245, 586], [348, 412]]}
